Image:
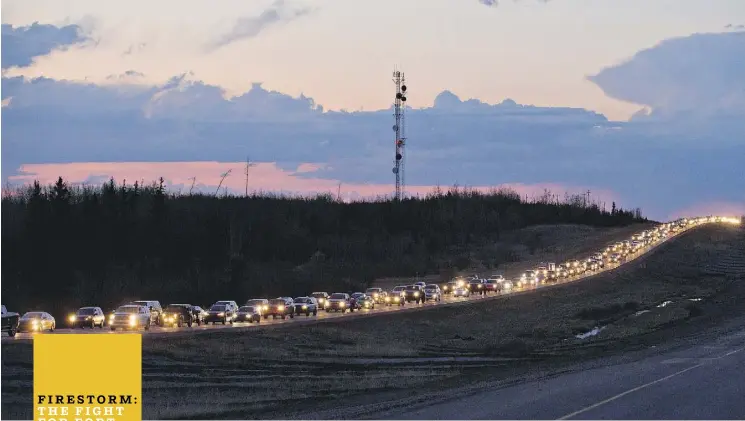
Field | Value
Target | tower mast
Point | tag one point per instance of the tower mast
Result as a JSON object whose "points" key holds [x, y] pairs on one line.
{"points": [[399, 109]]}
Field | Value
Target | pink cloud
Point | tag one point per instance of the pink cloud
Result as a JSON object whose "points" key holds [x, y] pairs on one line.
{"points": [[263, 177], [714, 208], [308, 167]]}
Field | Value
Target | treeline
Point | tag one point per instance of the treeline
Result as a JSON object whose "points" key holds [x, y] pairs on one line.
{"points": [[66, 246]]}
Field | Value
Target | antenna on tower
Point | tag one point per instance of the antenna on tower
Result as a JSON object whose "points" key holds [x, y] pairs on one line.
{"points": [[399, 127], [249, 164]]}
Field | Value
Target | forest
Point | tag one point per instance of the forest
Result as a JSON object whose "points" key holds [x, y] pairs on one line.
{"points": [[66, 246]]}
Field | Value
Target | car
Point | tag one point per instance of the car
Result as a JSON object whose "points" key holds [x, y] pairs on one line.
{"points": [[476, 286], [306, 305], [493, 285], [527, 279], [261, 303], [462, 292], [447, 287], [36, 321], [339, 301], [156, 310], [414, 293], [220, 313], [396, 296], [248, 314], [357, 295], [131, 316], [280, 307], [9, 321], [232, 304], [322, 298], [87, 317], [377, 293], [420, 284], [180, 314], [199, 314], [432, 292], [365, 302]]}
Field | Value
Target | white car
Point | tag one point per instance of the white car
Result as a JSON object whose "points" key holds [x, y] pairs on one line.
{"points": [[131, 316], [461, 292]]}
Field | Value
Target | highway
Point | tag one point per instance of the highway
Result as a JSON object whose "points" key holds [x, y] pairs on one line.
{"points": [[335, 317], [698, 382]]}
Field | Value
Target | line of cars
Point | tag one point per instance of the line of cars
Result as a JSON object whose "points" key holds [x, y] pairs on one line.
{"points": [[143, 314]]}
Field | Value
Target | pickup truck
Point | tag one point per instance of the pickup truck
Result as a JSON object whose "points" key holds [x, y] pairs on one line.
{"points": [[10, 322]]}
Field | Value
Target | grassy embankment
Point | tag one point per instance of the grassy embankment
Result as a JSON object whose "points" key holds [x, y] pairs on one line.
{"points": [[274, 372]]}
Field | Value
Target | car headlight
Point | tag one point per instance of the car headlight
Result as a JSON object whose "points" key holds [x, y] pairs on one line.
{"points": [[388, 298], [416, 294], [305, 307], [220, 314], [281, 308], [72, 318], [342, 304], [375, 295], [481, 286]]}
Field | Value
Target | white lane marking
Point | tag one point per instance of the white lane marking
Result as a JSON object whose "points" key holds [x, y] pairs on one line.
{"points": [[620, 395]]}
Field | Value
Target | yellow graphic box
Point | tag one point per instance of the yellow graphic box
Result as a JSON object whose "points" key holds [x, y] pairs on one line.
{"points": [[93, 377]]}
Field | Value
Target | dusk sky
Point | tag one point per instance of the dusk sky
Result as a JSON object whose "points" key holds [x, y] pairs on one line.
{"points": [[638, 101]]}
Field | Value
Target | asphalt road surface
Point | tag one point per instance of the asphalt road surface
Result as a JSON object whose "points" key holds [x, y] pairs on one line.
{"points": [[698, 382], [330, 317]]}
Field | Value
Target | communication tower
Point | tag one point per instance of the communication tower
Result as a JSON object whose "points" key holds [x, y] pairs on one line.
{"points": [[399, 111]]}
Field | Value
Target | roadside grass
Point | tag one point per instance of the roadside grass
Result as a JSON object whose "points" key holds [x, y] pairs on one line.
{"points": [[262, 373], [529, 246]]}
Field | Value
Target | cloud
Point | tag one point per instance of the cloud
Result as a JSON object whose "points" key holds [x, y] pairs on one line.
{"points": [[22, 44], [456, 141], [252, 26], [702, 74], [465, 142]]}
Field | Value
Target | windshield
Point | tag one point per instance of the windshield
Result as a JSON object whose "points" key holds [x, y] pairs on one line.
{"points": [[276, 302], [302, 300], [373, 290], [398, 289], [224, 302], [128, 309], [246, 309], [174, 309], [32, 315], [217, 307], [318, 295], [141, 303], [429, 287], [338, 296], [88, 311]]}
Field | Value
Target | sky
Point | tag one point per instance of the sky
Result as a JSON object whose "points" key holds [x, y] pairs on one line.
{"points": [[629, 99]]}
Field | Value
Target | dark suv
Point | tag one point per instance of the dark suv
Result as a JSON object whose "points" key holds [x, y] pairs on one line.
{"points": [[414, 293], [280, 307], [180, 314]]}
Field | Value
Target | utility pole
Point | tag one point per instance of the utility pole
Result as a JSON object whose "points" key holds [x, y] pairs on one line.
{"points": [[338, 193], [249, 164]]}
